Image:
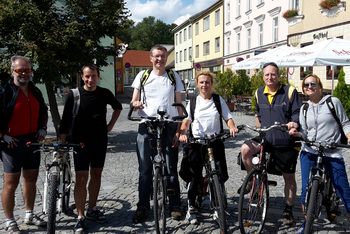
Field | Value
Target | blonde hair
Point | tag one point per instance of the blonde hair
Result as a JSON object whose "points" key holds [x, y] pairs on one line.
{"points": [[205, 73], [318, 81]]}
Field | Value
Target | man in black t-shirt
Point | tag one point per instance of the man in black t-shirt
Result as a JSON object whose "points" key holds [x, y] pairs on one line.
{"points": [[90, 128]]}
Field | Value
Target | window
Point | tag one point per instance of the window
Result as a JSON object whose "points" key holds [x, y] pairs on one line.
{"points": [[137, 70], [228, 12], [197, 28], [206, 49], [180, 56], [238, 9], [176, 38], [336, 71], [238, 42], [249, 38], [217, 44], [185, 35], [260, 36], [294, 4], [197, 51], [275, 29], [249, 5], [180, 37], [228, 46], [189, 32], [217, 17], [185, 54], [190, 53], [260, 1], [206, 22], [176, 59]]}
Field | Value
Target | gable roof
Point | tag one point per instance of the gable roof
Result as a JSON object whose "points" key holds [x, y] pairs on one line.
{"points": [[137, 58]]}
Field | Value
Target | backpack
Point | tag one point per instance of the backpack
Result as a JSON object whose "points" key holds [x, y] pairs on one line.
{"points": [[216, 99], [146, 74], [343, 139], [290, 92], [76, 105]]}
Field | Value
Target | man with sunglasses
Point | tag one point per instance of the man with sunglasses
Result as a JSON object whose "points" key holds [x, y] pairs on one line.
{"points": [[23, 118], [276, 102]]}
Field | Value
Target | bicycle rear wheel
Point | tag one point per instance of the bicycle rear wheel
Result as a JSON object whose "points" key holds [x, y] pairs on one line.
{"points": [[218, 201], [331, 200], [311, 208], [66, 192], [252, 207], [159, 200], [52, 201]]}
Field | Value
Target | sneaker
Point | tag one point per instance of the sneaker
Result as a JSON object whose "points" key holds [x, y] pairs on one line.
{"points": [[191, 218], [247, 188], [35, 220], [13, 228], [288, 217], [79, 228], [175, 213], [96, 215], [302, 228], [140, 214]]}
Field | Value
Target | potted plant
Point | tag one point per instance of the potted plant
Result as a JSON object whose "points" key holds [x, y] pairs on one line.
{"points": [[327, 4], [290, 13]]}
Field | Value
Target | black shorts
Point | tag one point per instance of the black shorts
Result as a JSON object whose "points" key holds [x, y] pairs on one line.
{"points": [[90, 156], [21, 156], [284, 158]]}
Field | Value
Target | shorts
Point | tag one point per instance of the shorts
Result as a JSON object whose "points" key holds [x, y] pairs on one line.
{"points": [[90, 156], [284, 158], [21, 156]]}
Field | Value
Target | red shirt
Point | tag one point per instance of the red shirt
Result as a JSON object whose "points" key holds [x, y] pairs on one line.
{"points": [[25, 115]]}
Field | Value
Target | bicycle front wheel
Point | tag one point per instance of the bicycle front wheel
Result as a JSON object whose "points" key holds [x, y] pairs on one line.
{"points": [[66, 192], [312, 204], [159, 200], [218, 200], [252, 207], [52, 201]]}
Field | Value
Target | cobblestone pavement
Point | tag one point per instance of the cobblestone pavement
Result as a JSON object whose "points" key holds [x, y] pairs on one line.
{"points": [[118, 195]]}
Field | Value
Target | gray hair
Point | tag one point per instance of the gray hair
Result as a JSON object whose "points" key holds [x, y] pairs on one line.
{"points": [[159, 47], [18, 57]]}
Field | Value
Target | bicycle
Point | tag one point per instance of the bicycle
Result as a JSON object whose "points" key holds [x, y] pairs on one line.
{"points": [[161, 174], [217, 191], [58, 180], [320, 191], [252, 207]]}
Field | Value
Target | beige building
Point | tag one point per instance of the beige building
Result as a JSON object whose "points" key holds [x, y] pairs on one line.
{"points": [[312, 25]]}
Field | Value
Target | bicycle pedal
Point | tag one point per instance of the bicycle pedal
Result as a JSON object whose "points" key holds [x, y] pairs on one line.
{"points": [[170, 192], [336, 213], [272, 183]]}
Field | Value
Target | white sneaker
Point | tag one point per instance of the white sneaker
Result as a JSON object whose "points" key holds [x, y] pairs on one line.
{"points": [[192, 218], [215, 215]]}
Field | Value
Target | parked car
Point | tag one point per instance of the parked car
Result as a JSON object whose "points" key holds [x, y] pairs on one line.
{"points": [[191, 90]]}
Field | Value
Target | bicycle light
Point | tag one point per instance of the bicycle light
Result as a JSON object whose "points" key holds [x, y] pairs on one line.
{"points": [[157, 158], [255, 160]]}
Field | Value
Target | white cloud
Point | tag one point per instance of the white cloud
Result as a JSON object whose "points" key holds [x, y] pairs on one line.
{"points": [[168, 11]]}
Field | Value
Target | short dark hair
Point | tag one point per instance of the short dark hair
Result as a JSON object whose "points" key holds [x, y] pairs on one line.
{"points": [[271, 64], [18, 57], [91, 67], [159, 47]]}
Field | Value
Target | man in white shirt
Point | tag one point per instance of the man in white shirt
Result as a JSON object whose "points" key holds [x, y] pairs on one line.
{"points": [[158, 93]]}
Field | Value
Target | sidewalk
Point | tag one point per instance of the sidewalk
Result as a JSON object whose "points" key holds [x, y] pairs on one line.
{"points": [[119, 191]]}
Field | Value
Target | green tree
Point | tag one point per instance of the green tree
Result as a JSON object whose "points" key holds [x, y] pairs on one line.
{"points": [[224, 83], [150, 32], [59, 38], [342, 91], [241, 83]]}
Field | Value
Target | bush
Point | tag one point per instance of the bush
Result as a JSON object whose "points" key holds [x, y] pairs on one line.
{"points": [[223, 84], [342, 92]]}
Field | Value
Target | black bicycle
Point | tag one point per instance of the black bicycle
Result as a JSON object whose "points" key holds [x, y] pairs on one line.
{"points": [[252, 207], [155, 126], [214, 181], [58, 180], [320, 191]]}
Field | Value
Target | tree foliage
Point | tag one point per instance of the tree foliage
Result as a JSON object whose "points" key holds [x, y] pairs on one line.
{"points": [[150, 32], [58, 36], [342, 92]]}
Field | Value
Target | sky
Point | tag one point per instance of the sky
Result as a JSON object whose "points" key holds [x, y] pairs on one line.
{"points": [[168, 11]]}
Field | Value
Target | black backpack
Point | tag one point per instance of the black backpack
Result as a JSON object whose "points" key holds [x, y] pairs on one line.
{"points": [[343, 139]]}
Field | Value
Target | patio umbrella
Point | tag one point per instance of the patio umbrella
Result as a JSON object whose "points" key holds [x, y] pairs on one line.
{"points": [[333, 51], [258, 61]]}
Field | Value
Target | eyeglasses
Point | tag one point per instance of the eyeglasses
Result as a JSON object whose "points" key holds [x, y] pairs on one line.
{"points": [[21, 71], [313, 84], [270, 64]]}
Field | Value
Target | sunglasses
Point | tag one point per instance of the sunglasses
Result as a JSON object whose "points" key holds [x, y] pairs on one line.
{"points": [[270, 64], [313, 84], [21, 71]]}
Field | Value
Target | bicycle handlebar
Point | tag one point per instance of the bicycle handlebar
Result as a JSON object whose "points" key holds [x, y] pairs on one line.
{"points": [[325, 144], [55, 145], [209, 139], [160, 113], [277, 125]]}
